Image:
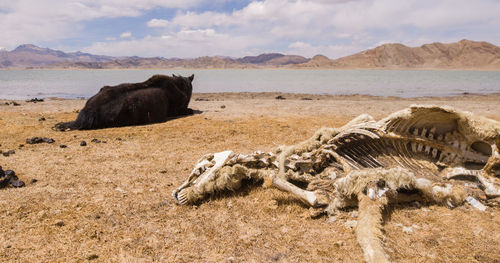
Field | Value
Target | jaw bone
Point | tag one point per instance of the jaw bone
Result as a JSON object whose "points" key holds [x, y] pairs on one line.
{"points": [[203, 172], [223, 171]]}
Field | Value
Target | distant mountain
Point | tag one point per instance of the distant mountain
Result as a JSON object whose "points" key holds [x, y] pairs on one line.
{"points": [[138, 62], [273, 59], [32, 56], [264, 60], [464, 54], [318, 61]]}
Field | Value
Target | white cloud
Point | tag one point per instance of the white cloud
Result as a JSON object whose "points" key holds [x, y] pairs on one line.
{"points": [[337, 27], [28, 21], [331, 51], [127, 34], [158, 23], [184, 44], [306, 27]]}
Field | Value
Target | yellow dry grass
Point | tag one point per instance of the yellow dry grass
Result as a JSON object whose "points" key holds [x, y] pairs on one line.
{"points": [[111, 201]]}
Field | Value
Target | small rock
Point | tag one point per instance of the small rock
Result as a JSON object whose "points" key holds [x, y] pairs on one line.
{"points": [[35, 100], [280, 97], [20, 146], [9, 177], [306, 99], [407, 229], [34, 180], [42, 214], [351, 223], [16, 183], [95, 140], [332, 219], [119, 189], [92, 257], [42, 119], [9, 152], [354, 214], [36, 140], [83, 143], [273, 204], [118, 139], [223, 106], [63, 146], [163, 171], [59, 223], [339, 243]]}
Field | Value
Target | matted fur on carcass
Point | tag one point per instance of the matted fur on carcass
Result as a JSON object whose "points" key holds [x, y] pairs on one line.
{"points": [[437, 153]]}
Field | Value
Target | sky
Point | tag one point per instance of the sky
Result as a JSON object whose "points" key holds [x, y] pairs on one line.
{"points": [[236, 28]]}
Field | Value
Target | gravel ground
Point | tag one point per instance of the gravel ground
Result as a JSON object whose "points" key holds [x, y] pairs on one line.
{"points": [[110, 200]]}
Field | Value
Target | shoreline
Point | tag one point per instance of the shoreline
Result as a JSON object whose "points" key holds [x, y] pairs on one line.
{"points": [[303, 96], [270, 68]]}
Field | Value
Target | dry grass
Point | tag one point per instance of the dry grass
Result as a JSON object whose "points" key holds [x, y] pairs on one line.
{"points": [[111, 201]]}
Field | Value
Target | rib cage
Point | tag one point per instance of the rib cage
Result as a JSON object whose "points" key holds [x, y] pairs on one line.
{"points": [[424, 140]]}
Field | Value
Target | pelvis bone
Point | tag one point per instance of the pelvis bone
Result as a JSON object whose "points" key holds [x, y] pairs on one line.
{"points": [[425, 150]]}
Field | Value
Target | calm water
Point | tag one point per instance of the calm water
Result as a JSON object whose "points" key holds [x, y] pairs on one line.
{"points": [[23, 84]]}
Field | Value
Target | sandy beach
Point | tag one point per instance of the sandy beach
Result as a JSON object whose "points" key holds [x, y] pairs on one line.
{"points": [[110, 201]]}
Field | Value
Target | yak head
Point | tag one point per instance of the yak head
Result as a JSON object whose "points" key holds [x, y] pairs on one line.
{"points": [[184, 84]]}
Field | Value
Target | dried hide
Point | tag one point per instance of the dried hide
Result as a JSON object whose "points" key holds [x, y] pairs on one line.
{"points": [[427, 150]]}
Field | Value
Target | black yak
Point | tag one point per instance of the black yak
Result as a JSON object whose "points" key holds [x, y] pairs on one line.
{"points": [[155, 100]]}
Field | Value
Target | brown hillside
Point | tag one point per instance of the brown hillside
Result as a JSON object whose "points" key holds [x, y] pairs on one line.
{"points": [[464, 54], [318, 61]]}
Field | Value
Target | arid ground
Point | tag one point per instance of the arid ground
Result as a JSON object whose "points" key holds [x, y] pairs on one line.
{"points": [[110, 201]]}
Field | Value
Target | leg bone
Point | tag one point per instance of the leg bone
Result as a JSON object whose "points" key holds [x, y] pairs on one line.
{"points": [[314, 199], [368, 228]]}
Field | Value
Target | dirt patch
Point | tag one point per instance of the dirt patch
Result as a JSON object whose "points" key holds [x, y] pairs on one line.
{"points": [[111, 201]]}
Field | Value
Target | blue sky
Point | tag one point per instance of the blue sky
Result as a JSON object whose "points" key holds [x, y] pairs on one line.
{"points": [[192, 28]]}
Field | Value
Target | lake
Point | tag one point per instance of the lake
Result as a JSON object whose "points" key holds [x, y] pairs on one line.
{"points": [[23, 84]]}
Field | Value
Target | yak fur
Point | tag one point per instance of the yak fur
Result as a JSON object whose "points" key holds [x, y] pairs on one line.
{"points": [[155, 100]]}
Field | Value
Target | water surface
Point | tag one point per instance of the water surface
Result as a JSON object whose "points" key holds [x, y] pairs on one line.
{"points": [[23, 84]]}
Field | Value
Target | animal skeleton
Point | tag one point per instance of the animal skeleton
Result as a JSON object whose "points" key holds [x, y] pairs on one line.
{"points": [[423, 149]]}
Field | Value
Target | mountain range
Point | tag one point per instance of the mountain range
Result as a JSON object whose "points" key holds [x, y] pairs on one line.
{"points": [[464, 54], [27, 55]]}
